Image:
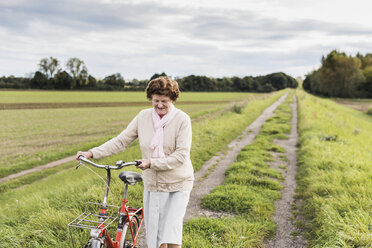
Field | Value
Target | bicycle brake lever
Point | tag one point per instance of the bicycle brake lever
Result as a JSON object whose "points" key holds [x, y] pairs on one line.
{"points": [[78, 165], [138, 163]]}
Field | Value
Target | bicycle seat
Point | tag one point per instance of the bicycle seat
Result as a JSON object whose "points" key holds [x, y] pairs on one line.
{"points": [[130, 177]]}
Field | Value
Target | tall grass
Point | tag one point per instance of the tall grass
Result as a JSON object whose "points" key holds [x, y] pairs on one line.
{"points": [[248, 193], [335, 173], [37, 214]]}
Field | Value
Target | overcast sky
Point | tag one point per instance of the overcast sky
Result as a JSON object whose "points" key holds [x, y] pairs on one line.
{"points": [[216, 38]]}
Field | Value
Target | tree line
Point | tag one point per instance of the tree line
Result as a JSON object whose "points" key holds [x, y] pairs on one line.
{"points": [[75, 76], [342, 75]]}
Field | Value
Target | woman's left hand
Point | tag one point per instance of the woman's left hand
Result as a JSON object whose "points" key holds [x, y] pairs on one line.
{"points": [[145, 164]]}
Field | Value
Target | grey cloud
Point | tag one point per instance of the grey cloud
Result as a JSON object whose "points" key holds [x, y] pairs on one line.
{"points": [[208, 24], [240, 25], [81, 15], [198, 41]]}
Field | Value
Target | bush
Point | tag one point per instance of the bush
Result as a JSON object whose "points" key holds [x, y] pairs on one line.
{"points": [[237, 109], [369, 111]]}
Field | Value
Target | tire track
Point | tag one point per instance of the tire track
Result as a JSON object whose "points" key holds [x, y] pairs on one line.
{"points": [[287, 235]]}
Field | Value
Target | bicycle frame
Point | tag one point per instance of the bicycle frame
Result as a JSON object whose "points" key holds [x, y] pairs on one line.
{"points": [[125, 215], [128, 212]]}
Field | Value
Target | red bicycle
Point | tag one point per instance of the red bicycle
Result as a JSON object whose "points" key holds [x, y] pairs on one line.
{"points": [[129, 219]]}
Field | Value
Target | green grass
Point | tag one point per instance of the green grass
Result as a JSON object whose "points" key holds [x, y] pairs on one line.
{"points": [[30, 178], [335, 173], [236, 231], [36, 215], [212, 134], [249, 192], [34, 137], [369, 111]]}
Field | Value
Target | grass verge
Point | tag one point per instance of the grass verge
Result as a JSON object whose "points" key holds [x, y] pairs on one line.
{"points": [[335, 173]]}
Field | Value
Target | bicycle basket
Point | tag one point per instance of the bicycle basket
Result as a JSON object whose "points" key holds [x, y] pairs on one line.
{"points": [[91, 219]]}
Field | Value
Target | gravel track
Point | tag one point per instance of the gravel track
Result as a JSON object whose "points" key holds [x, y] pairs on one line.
{"points": [[284, 236]]}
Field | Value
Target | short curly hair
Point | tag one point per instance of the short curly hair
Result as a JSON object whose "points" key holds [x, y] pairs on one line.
{"points": [[164, 86]]}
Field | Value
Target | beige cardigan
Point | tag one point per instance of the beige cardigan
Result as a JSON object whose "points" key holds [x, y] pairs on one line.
{"points": [[169, 174]]}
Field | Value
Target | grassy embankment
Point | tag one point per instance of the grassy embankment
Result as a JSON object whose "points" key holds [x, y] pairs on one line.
{"points": [[41, 211], [248, 193], [335, 173], [31, 137]]}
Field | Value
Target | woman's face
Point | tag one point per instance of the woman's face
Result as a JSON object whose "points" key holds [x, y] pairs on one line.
{"points": [[161, 104]]}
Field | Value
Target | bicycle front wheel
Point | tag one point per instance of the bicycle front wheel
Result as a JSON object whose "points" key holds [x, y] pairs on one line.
{"points": [[95, 243], [126, 240]]}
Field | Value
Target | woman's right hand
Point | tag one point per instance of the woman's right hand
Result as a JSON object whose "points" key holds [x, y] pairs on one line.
{"points": [[86, 155]]}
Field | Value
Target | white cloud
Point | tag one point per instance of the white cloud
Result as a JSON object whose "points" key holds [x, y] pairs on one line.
{"points": [[203, 37]]}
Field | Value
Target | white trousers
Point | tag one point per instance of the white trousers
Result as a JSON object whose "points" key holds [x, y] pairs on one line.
{"points": [[164, 212]]}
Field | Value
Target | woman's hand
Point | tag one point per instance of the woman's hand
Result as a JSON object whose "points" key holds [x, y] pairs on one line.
{"points": [[145, 164], [86, 155]]}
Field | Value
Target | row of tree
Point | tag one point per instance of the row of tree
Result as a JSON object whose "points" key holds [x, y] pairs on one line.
{"points": [[51, 76], [341, 75], [268, 83]]}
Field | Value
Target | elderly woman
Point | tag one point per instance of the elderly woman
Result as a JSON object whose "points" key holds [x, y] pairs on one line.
{"points": [[164, 134]]}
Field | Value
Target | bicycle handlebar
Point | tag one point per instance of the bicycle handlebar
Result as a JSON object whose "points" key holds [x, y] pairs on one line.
{"points": [[119, 164]]}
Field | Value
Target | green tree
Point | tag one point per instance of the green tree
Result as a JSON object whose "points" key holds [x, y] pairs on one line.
{"points": [[224, 84], [115, 80], [277, 80], [197, 83], [156, 75], [366, 60], [79, 72], [39, 81], [311, 83], [268, 88], [340, 75], [366, 86], [63, 80], [92, 82], [49, 66]]}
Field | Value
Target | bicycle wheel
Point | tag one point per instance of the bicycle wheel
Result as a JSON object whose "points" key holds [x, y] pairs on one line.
{"points": [[95, 243], [126, 240]]}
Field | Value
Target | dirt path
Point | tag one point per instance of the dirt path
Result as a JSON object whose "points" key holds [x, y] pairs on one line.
{"points": [[206, 180], [222, 162], [38, 168], [284, 236]]}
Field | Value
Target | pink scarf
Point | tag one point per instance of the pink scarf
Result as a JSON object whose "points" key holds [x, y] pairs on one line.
{"points": [[159, 124]]}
